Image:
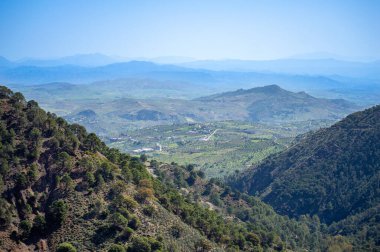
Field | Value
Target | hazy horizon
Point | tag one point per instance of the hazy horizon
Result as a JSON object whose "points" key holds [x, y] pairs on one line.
{"points": [[203, 30]]}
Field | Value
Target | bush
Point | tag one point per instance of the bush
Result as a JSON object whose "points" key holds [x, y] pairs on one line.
{"points": [[39, 224], [143, 158], [125, 234], [254, 239], [143, 194], [5, 213], [119, 221], [65, 161], [140, 244], [22, 181], [58, 212], [145, 183], [155, 245], [66, 247], [149, 210], [25, 227], [107, 170], [134, 223], [116, 248], [124, 201], [90, 179], [33, 173], [204, 245], [176, 231]]}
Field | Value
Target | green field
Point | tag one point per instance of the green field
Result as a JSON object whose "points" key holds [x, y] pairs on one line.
{"points": [[218, 148]]}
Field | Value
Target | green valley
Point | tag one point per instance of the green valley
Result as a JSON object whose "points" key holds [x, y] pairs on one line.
{"points": [[217, 148]]}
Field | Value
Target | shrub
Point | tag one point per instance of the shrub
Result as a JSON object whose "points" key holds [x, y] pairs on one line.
{"points": [[4, 167], [39, 224], [143, 158], [130, 203], [22, 181], [107, 171], [192, 178], [119, 220], [25, 227], [90, 178], [1, 184], [66, 247], [33, 173], [140, 244], [134, 223], [116, 248], [118, 188], [143, 194], [58, 212], [65, 161], [155, 245], [125, 234], [67, 182], [145, 183], [204, 245], [124, 201], [176, 231], [149, 210], [254, 239], [5, 213]]}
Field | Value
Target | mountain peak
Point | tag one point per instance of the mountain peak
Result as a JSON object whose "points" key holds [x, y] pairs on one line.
{"points": [[267, 89]]}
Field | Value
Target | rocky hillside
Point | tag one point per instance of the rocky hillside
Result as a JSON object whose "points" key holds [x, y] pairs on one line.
{"points": [[62, 189], [333, 173]]}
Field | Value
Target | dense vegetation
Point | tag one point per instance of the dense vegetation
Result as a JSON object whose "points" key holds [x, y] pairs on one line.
{"points": [[333, 173], [264, 226], [62, 188]]}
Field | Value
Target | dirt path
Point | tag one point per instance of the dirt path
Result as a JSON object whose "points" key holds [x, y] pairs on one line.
{"points": [[207, 138]]}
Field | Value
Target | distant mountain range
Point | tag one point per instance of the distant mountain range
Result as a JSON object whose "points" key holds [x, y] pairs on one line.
{"points": [[310, 64], [62, 189], [326, 67], [269, 104], [355, 81], [89, 60]]}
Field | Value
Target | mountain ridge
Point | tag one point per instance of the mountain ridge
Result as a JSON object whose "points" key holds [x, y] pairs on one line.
{"points": [[332, 173], [61, 189]]}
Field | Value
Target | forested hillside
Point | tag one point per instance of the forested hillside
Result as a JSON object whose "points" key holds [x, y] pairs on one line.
{"points": [[62, 189], [333, 173]]}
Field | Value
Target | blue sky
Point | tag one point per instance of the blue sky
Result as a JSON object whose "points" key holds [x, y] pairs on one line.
{"points": [[203, 29]]}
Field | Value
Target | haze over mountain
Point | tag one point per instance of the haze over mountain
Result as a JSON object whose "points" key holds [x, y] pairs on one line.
{"points": [[196, 82], [269, 104], [207, 126], [318, 66], [62, 189]]}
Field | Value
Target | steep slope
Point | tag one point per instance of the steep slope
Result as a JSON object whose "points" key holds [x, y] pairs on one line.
{"points": [[61, 184], [274, 231], [61, 187], [333, 173]]}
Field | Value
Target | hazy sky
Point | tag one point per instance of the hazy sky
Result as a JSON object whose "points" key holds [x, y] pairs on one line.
{"points": [[203, 29]]}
